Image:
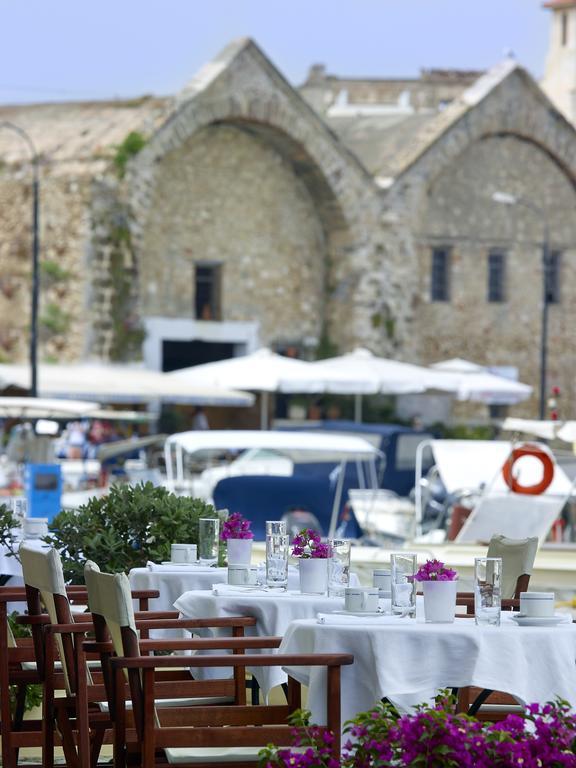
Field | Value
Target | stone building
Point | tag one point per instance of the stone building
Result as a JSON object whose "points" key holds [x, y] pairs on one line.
{"points": [[349, 212]]}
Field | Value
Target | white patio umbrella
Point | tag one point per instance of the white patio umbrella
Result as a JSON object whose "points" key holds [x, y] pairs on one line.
{"points": [[362, 373], [45, 408], [478, 384], [260, 371], [119, 383]]}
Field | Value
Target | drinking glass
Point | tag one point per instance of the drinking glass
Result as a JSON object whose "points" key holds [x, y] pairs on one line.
{"points": [[487, 580], [277, 547], [275, 527], [208, 540], [338, 567], [403, 586]]}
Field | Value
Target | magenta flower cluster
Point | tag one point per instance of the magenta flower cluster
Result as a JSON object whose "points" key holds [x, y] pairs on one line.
{"points": [[236, 527], [435, 570], [308, 543], [544, 736]]}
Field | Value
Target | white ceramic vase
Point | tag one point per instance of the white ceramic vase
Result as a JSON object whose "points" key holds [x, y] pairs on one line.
{"points": [[439, 601], [239, 551], [313, 575]]}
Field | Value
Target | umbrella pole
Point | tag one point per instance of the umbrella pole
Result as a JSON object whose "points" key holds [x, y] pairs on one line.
{"points": [[358, 408], [263, 410]]}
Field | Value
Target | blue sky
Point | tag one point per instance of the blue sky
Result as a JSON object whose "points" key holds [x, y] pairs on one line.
{"points": [[55, 50]]}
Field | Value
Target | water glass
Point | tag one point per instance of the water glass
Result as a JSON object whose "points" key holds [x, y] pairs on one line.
{"points": [[208, 540], [338, 567], [276, 527], [277, 550], [487, 595], [403, 586]]}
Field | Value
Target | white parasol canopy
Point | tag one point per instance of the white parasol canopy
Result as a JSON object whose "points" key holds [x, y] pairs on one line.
{"points": [[44, 408], [362, 373], [261, 371], [478, 384], [119, 383]]}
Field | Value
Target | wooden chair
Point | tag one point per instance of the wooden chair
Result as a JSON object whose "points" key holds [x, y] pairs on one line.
{"points": [[198, 736], [518, 557], [18, 669], [57, 634]]}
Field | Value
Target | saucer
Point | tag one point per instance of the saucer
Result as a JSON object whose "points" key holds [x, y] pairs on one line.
{"points": [[539, 621], [359, 614], [183, 565]]}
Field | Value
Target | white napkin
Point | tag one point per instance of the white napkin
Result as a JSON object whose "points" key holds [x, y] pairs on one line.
{"points": [[177, 567], [342, 618]]}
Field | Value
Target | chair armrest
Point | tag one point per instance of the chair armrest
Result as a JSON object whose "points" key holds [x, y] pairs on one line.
{"points": [[156, 615], [199, 644], [232, 621], [73, 629], [249, 660]]}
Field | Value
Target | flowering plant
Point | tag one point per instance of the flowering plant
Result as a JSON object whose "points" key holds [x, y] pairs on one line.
{"points": [[308, 543], [435, 570], [437, 737], [236, 527]]}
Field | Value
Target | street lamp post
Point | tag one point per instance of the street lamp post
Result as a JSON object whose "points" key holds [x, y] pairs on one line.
{"points": [[505, 198], [35, 253]]}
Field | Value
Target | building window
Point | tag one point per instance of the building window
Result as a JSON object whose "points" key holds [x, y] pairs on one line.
{"points": [[207, 278], [440, 283], [553, 277], [564, 28], [496, 276]]}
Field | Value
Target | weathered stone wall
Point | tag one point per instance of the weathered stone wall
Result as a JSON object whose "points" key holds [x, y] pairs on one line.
{"points": [[64, 223], [227, 197], [462, 215]]}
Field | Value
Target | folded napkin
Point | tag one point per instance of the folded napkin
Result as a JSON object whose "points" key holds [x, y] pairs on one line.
{"points": [[178, 567], [342, 618]]}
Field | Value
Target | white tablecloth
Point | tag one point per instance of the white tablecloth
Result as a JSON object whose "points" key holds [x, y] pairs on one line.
{"points": [[407, 660], [273, 611], [173, 583]]}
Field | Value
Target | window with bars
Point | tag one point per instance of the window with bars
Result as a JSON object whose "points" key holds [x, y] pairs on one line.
{"points": [[440, 277], [496, 276], [207, 299], [553, 277]]}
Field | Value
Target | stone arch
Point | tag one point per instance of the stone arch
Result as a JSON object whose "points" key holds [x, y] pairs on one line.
{"points": [[342, 192]]}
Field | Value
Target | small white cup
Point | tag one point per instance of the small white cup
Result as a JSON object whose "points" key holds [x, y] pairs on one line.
{"points": [[382, 578], [243, 575], [35, 527], [537, 604], [361, 599], [183, 553]]}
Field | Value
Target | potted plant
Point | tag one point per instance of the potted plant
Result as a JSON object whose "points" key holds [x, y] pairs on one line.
{"points": [[312, 557], [439, 585], [238, 537]]}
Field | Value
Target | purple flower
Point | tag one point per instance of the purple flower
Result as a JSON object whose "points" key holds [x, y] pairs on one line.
{"points": [[308, 543], [435, 570], [236, 527]]}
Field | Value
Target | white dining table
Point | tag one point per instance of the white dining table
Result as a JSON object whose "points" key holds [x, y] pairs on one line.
{"points": [[172, 581], [407, 661]]}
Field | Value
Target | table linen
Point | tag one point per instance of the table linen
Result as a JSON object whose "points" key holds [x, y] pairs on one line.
{"points": [[407, 661]]}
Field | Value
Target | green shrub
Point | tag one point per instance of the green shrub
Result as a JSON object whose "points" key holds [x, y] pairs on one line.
{"points": [[128, 149], [125, 529]]}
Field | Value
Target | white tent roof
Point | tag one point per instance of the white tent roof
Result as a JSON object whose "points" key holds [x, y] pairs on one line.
{"points": [[236, 440], [472, 382], [119, 383], [361, 372], [44, 408], [548, 430]]}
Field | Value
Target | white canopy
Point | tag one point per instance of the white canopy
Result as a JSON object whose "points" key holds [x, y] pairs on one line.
{"points": [[472, 382], [289, 442], [44, 408], [119, 383], [548, 430]]}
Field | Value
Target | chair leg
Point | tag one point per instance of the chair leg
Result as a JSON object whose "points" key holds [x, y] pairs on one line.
{"points": [[97, 740], [68, 744]]}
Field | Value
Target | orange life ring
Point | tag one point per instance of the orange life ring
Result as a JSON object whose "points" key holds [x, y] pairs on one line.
{"points": [[547, 469]]}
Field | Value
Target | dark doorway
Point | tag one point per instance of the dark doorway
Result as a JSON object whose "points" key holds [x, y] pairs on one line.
{"points": [[183, 354]]}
